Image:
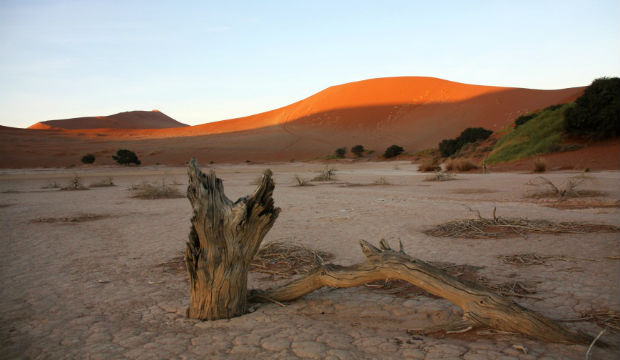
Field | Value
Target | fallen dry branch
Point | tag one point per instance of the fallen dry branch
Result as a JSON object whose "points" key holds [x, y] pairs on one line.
{"points": [[482, 308], [498, 227]]}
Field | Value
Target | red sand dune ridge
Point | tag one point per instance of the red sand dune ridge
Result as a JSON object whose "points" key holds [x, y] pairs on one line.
{"points": [[154, 119], [373, 104]]}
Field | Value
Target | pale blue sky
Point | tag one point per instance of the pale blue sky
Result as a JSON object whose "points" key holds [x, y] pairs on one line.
{"points": [[212, 60]]}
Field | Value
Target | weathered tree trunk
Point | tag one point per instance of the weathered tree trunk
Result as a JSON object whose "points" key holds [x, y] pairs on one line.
{"points": [[481, 307], [223, 240]]}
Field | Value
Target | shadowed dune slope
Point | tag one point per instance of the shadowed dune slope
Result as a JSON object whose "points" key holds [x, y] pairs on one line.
{"points": [[126, 120]]}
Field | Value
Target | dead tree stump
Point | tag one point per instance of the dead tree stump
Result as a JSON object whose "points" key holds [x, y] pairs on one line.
{"points": [[223, 240]]}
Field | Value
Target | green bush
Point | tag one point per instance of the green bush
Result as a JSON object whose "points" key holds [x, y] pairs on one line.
{"points": [[597, 112], [523, 119], [340, 152], [126, 157], [88, 159], [358, 150], [449, 147], [393, 151]]}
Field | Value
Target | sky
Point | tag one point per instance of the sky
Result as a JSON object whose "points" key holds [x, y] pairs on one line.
{"points": [[206, 61]]}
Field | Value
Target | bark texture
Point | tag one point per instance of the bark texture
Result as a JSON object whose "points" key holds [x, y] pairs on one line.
{"points": [[223, 240], [481, 307]]}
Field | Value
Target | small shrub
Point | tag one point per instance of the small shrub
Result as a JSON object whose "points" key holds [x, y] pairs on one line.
{"points": [[358, 150], [109, 181], [569, 189], [596, 113], [441, 176], [327, 174], [88, 159], [540, 165], [459, 165], [381, 181], [393, 151], [523, 119], [74, 184], [302, 182], [149, 191], [340, 153], [449, 147], [126, 157], [429, 165]]}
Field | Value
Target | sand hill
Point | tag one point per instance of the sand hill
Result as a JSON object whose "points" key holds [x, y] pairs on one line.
{"points": [[413, 112], [126, 120]]}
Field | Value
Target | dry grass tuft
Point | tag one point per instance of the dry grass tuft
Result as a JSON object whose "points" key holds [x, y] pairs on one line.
{"points": [[540, 165], [69, 219], [441, 176], [327, 174], [150, 191], [569, 189], [302, 182], [284, 260], [524, 259], [604, 318], [459, 165], [429, 165], [498, 227], [381, 181], [109, 181], [74, 184]]}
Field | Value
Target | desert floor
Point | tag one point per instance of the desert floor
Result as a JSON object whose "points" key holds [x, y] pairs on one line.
{"points": [[90, 274]]}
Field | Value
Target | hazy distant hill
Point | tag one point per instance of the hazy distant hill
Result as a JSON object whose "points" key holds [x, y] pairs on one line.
{"points": [[126, 120]]}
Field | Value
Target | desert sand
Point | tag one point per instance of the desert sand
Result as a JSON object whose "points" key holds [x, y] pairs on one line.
{"points": [[154, 119], [413, 112], [102, 285]]}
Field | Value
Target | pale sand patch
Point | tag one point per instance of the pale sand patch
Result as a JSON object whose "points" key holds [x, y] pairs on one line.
{"points": [[97, 287]]}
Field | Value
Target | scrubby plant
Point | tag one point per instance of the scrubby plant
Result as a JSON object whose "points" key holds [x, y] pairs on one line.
{"points": [[459, 165], [540, 165], [74, 184], [108, 181], [327, 174], [150, 191], [449, 147], [596, 113], [340, 152], [429, 165], [88, 159], [523, 119], [441, 176], [358, 150], [302, 182], [393, 151], [126, 157]]}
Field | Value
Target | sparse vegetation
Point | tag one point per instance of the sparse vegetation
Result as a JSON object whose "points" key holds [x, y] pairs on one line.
{"points": [[74, 184], [429, 165], [540, 135], [340, 153], [358, 150], [540, 165], [126, 157], [498, 227], [150, 191], [393, 151], [569, 189], [596, 113], [523, 119], [108, 181], [88, 159], [441, 176], [302, 182], [327, 174], [459, 165], [449, 147], [381, 181]]}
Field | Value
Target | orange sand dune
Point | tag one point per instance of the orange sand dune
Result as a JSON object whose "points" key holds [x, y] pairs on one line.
{"points": [[126, 120], [413, 112]]}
